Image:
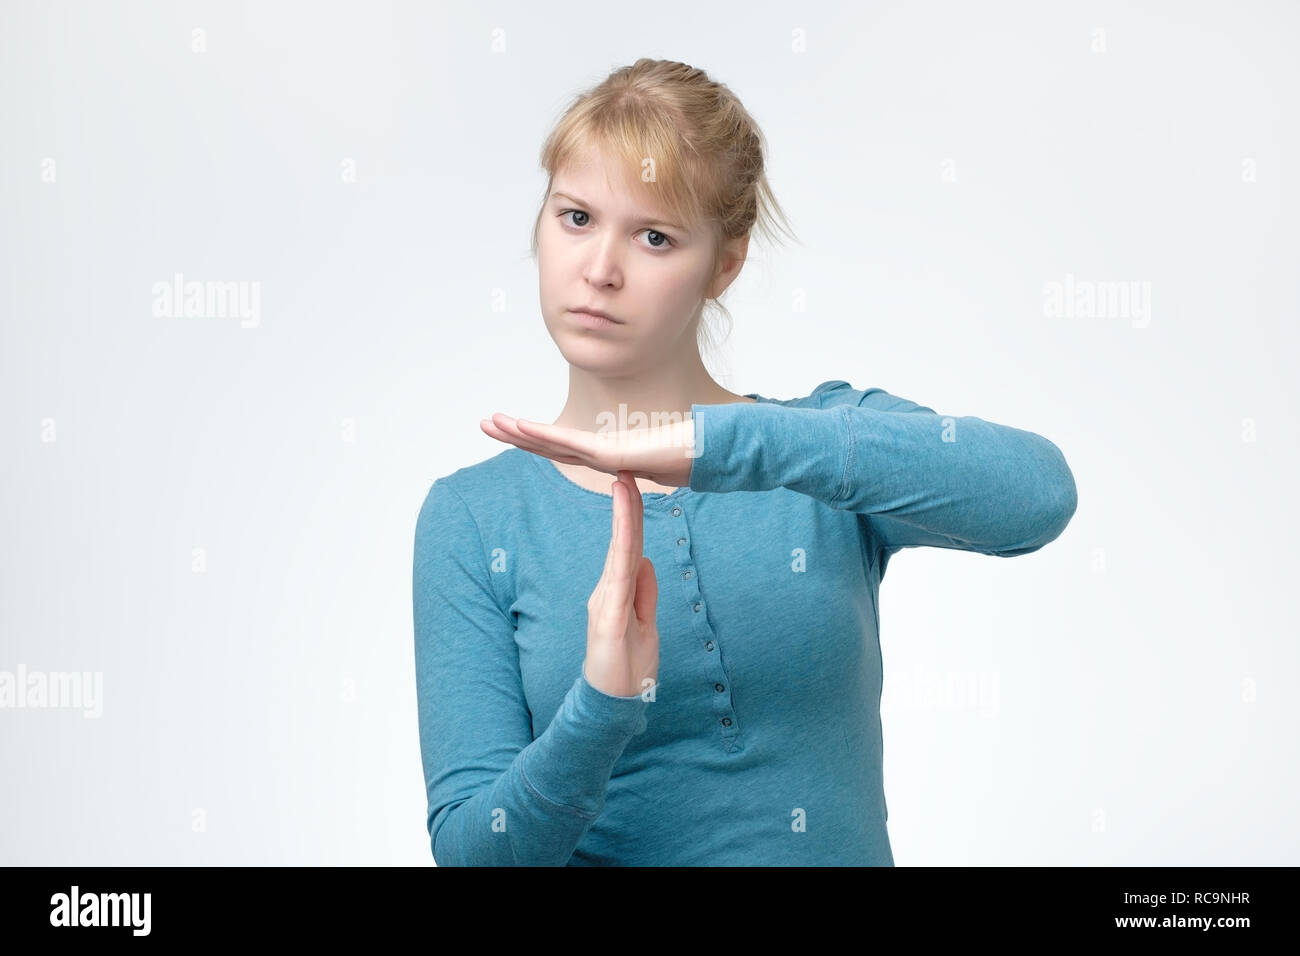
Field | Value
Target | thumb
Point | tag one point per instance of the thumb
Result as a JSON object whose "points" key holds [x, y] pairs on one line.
{"points": [[646, 598]]}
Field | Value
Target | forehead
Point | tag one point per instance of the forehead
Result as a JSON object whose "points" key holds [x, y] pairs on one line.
{"points": [[596, 177]]}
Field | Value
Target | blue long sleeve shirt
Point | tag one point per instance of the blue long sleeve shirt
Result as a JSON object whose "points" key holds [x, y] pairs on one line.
{"points": [[761, 742]]}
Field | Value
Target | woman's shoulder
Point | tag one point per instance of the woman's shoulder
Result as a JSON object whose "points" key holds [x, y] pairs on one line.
{"points": [[839, 392], [832, 392], [483, 487]]}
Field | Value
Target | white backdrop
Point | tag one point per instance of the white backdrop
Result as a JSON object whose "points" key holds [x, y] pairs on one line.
{"points": [[209, 518]]}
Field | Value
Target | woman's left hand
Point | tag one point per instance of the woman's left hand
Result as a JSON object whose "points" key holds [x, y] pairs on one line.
{"points": [[664, 454]]}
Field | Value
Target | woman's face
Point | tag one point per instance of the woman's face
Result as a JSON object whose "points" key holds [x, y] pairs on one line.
{"points": [[605, 244]]}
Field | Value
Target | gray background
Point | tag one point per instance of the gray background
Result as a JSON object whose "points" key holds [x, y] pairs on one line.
{"points": [[941, 163]]}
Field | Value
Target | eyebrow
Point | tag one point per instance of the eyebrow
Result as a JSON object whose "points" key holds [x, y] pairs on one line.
{"points": [[644, 222]]}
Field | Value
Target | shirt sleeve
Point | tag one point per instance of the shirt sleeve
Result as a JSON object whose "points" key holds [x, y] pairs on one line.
{"points": [[919, 478], [496, 796]]}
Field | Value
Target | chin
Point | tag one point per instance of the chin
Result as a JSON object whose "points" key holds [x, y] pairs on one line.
{"points": [[594, 354]]}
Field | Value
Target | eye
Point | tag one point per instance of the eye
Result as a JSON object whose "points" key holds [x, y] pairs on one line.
{"points": [[663, 236], [667, 240]]}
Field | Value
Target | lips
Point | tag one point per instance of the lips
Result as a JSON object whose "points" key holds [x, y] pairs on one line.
{"points": [[598, 312], [596, 323]]}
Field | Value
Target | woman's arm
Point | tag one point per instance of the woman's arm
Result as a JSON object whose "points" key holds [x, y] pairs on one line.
{"points": [[496, 797], [921, 478]]}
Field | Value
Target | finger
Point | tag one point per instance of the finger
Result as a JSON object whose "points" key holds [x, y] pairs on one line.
{"points": [[502, 427], [632, 543], [555, 452], [613, 532], [507, 424], [573, 438], [608, 572], [573, 446], [624, 567], [637, 516], [505, 434], [546, 452], [496, 431], [600, 450], [540, 433], [647, 592]]}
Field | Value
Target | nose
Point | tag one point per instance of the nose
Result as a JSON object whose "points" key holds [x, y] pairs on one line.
{"points": [[604, 266]]}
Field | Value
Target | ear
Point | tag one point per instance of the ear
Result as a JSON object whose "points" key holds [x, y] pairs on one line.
{"points": [[731, 259]]}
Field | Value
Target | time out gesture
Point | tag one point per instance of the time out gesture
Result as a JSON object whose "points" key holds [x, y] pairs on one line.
{"points": [[663, 453], [622, 632]]}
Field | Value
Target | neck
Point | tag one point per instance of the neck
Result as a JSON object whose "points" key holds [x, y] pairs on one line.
{"points": [[662, 395]]}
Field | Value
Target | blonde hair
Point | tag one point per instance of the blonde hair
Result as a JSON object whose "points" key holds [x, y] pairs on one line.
{"points": [[667, 125]]}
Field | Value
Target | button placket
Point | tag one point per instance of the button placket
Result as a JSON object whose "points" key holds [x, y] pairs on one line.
{"points": [[720, 688]]}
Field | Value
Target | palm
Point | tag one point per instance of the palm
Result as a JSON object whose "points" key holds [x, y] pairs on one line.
{"points": [[663, 454]]}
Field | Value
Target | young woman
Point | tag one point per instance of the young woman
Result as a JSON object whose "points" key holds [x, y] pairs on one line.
{"points": [[681, 666]]}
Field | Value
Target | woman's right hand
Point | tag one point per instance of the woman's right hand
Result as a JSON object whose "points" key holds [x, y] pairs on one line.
{"points": [[622, 638]]}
